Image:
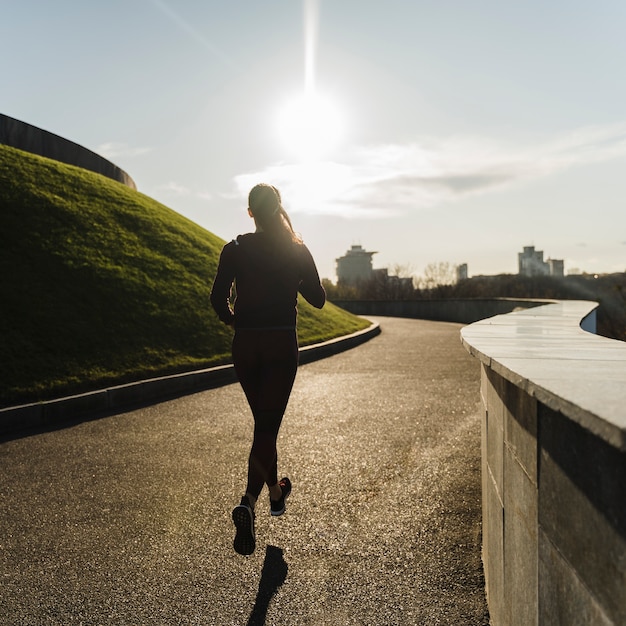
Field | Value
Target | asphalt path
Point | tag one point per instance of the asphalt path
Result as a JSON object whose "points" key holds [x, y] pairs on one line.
{"points": [[126, 519]]}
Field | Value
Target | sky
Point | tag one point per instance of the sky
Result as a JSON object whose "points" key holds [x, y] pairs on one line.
{"points": [[427, 131]]}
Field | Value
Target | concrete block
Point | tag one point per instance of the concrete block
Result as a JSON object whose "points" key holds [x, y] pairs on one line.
{"points": [[493, 551], [126, 395], [495, 429], [483, 421], [520, 428], [59, 411], [485, 485], [564, 599], [484, 384], [582, 509], [21, 418], [520, 544]]}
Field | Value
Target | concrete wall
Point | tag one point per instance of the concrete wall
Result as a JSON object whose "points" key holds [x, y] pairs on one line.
{"points": [[464, 311], [553, 467], [37, 141]]}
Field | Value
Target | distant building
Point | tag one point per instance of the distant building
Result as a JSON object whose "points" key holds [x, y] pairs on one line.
{"points": [[355, 266], [461, 272], [556, 267], [393, 283], [531, 263]]}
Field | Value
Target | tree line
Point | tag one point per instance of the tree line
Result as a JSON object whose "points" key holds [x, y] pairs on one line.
{"points": [[439, 282]]}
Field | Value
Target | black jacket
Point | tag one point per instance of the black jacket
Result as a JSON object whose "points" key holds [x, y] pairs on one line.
{"points": [[268, 275]]}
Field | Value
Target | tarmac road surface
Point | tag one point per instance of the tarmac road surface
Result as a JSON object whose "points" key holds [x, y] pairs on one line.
{"points": [[126, 519]]}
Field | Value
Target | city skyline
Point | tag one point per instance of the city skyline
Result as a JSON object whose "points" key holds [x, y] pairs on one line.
{"points": [[357, 264], [434, 133]]}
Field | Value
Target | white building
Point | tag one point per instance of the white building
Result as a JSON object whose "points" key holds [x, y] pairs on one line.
{"points": [[355, 266], [531, 263]]}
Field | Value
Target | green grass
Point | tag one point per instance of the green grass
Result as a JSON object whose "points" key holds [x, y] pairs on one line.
{"points": [[102, 285]]}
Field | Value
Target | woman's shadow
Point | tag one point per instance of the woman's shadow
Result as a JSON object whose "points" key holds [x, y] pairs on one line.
{"points": [[273, 575]]}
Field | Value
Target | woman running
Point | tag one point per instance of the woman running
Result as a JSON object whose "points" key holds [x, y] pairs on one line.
{"points": [[265, 270]]}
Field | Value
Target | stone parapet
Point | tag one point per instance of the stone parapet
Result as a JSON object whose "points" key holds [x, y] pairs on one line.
{"points": [[553, 466]]}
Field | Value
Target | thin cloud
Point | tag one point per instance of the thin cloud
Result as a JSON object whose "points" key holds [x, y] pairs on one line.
{"points": [[378, 181], [174, 189], [113, 150], [317, 188]]}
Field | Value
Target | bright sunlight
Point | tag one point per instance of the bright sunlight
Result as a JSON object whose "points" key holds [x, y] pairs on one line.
{"points": [[310, 126]]}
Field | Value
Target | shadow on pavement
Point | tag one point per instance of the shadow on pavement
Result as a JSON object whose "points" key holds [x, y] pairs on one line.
{"points": [[273, 575]]}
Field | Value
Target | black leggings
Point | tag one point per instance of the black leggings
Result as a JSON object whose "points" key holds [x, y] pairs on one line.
{"points": [[266, 362]]}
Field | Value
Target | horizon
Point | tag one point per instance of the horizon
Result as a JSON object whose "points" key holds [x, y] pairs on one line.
{"points": [[427, 134]]}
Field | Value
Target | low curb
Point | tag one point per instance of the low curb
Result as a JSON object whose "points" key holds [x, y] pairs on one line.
{"points": [[98, 403]]}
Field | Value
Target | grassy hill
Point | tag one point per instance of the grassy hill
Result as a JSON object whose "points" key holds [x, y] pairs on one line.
{"points": [[102, 285]]}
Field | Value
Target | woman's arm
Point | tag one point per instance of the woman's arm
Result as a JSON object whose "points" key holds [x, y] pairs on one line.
{"points": [[310, 286], [222, 285]]}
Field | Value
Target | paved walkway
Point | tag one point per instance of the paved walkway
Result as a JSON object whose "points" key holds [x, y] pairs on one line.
{"points": [[126, 519]]}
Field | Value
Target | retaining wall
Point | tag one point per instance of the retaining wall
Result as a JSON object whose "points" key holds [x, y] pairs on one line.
{"points": [[553, 467], [464, 311], [37, 141], [53, 413]]}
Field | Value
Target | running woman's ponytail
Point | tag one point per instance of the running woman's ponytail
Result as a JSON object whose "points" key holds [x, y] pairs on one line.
{"points": [[265, 205]]}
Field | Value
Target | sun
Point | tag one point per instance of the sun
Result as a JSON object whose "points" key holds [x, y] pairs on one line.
{"points": [[310, 126]]}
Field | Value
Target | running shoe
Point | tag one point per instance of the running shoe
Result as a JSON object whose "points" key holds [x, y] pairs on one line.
{"points": [[278, 507], [243, 518]]}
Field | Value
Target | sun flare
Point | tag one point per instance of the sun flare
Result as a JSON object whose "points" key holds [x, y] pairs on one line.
{"points": [[310, 126]]}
